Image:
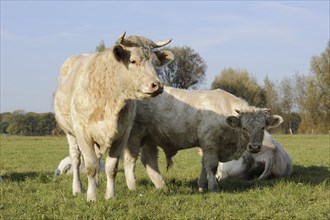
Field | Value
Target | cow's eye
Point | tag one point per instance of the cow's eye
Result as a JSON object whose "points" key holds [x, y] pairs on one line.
{"points": [[133, 62], [244, 128]]}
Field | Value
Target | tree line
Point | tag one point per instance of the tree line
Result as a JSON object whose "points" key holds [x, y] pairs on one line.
{"points": [[29, 123], [302, 100]]}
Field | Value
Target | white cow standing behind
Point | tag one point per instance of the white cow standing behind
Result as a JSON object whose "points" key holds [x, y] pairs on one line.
{"points": [[180, 119], [95, 103], [272, 161]]}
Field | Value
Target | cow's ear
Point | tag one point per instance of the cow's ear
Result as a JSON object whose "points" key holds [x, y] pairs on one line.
{"points": [[165, 57], [274, 121], [118, 52], [233, 121]]}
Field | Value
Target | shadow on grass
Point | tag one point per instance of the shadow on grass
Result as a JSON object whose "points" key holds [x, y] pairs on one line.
{"points": [[42, 177], [312, 175]]}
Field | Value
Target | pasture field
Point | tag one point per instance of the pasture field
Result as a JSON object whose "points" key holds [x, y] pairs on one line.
{"points": [[30, 191]]}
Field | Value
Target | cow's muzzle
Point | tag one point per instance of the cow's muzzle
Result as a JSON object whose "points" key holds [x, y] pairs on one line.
{"points": [[254, 148], [156, 88]]}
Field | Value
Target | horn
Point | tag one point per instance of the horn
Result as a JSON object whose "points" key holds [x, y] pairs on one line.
{"points": [[162, 43], [121, 38]]}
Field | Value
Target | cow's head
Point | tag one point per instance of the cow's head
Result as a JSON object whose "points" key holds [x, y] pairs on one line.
{"points": [[140, 58], [253, 122]]}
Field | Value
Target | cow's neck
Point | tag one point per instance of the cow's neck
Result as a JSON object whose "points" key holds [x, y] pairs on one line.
{"points": [[242, 142]]}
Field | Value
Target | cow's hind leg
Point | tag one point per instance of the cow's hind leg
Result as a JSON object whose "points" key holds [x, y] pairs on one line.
{"points": [[149, 158], [130, 154], [75, 160]]}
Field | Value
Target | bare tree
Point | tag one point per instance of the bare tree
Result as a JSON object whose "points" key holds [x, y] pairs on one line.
{"points": [[320, 68], [272, 99], [286, 103]]}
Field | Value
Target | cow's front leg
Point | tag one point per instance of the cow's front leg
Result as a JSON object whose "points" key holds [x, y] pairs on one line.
{"points": [[210, 162], [202, 180], [92, 169]]}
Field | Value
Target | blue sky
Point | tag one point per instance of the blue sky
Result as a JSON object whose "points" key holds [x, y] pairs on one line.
{"points": [[274, 38]]}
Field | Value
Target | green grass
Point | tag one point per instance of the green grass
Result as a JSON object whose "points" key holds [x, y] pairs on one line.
{"points": [[29, 190]]}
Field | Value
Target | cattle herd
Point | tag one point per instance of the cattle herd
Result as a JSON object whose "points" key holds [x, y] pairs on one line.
{"points": [[112, 103]]}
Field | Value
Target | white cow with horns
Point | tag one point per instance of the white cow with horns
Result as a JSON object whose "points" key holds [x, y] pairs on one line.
{"points": [[95, 103], [223, 125]]}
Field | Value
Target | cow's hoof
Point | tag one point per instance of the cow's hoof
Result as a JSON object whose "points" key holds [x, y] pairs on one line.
{"points": [[91, 198]]}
